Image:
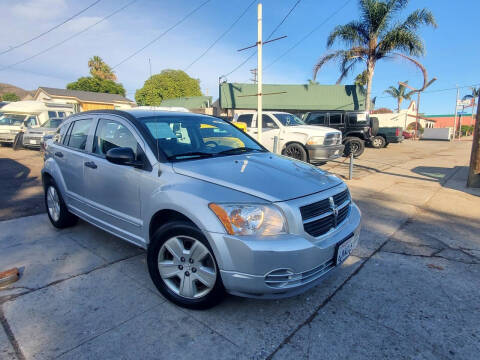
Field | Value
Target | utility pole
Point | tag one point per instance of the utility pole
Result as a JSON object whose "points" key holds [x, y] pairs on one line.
{"points": [[259, 72], [474, 173], [455, 121], [150, 66]]}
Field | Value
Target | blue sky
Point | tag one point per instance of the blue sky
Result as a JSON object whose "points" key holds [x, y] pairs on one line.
{"points": [[451, 49]]}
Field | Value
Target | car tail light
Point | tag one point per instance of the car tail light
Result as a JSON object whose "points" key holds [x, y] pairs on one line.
{"points": [[397, 131]]}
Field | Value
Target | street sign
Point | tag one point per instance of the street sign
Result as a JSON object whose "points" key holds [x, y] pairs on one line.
{"points": [[466, 102]]}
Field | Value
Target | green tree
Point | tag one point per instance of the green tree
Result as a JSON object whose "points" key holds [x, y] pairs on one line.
{"points": [[361, 79], [98, 68], [167, 85], [375, 36], [313, 82], [10, 96], [95, 84], [399, 94]]}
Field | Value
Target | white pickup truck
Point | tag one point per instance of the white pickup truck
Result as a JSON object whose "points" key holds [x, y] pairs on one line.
{"points": [[314, 144]]}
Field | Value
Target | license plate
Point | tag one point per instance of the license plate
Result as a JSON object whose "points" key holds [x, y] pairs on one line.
{"points": [[34, 142], [346, 248]]}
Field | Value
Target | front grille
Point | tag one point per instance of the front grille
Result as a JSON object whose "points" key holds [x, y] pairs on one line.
{"points": [[333, 139], [318, 218], [284, 278]]}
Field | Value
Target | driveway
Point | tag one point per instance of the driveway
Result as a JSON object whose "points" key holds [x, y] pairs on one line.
{"points": [[410, 290]]}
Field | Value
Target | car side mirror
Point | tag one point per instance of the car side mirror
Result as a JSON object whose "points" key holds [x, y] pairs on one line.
{"points": [[123, 156]]}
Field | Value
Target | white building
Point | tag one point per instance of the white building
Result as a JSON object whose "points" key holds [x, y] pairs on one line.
{"points": [[403, 118]]}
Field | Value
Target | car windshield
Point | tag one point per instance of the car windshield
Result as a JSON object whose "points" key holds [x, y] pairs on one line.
{"points": [[52, 123], [12, 119], [289, 119], [193, 137]]}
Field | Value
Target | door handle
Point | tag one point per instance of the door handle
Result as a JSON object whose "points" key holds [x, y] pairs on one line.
{"points": [[90, 164], [59, 154]]}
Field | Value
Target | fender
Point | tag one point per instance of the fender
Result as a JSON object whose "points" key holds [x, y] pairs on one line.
{"points": [[51, 168]]}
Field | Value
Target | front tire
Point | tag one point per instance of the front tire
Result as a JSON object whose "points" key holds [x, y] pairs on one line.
{"points": [[183, 267], [296, 151], [57, 211], [354, 145]]}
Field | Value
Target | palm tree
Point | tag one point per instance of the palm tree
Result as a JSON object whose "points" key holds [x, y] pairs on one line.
{"points": [[313, 82], [375, 36], [98, 68], [399, 94]]}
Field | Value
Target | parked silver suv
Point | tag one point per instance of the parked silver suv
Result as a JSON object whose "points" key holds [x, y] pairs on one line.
{"points": [[215, 210]]}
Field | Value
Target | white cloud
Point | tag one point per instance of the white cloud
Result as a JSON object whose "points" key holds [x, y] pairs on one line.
{"points": [[39, 10]]}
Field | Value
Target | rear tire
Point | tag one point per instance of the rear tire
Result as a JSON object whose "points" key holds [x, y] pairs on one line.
{"points": [[379, 142], [193, 284], [57, 211], [296, 151], [355, 145]]}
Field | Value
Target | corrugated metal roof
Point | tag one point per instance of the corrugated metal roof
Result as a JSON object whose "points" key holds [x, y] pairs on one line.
{"points": [[293, 97], [86, 95], [189, 102]]}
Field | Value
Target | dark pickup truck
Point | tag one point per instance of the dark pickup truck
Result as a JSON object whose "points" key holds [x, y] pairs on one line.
{"points": [[387, 135]]}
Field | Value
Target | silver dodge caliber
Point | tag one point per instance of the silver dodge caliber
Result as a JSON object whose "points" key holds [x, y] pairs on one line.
{"points": [[213, 208]]}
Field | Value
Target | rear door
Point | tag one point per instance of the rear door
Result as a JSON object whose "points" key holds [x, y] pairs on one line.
{"points": [[70, 155], [270, 130], [112, 190], [336, 120]]}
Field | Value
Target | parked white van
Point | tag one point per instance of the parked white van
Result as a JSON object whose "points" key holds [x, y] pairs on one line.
{"points": [[19, 115], [314, 144]]}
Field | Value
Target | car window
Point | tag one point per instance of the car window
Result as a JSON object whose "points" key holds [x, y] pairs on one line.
{"points": [[52, 114], [52, 123], [356, 119], [12, 119], [268, 123], [61, 114], [289, 119], [191, 137], [77, 136], [317, 119], [335, 119], [31, 121], [246, 118], [111, 134]]}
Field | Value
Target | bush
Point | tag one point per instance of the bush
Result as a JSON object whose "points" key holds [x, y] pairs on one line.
{"points": [[467, 130]]}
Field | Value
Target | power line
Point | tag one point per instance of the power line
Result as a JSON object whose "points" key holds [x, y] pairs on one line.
{"points": [[222, 35], [162, 34], [49, 30], [309, 33], [268, 38], [69, 38]]}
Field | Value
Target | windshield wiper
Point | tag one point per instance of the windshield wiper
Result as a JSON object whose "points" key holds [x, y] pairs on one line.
{"points": [[239, 150], [191, 154]]}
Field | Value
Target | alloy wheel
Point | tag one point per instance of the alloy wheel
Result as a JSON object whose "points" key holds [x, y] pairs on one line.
{"points": [[187, 267], [294, 152], [53, 203]]}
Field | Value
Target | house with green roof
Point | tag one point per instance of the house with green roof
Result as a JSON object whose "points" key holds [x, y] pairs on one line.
{"points": [[235, 97]]}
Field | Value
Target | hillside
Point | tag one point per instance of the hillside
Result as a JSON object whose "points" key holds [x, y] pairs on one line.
{"points": [[8, 88]]}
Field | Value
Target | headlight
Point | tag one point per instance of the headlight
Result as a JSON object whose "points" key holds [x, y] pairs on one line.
{"points": [[250, 219], [316, 140]]}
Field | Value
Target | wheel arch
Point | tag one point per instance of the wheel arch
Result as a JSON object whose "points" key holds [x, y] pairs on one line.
{"points": [[164, 216]]}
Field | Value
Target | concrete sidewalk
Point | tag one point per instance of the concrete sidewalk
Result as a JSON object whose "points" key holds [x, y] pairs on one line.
{"points": [[411, 289]]}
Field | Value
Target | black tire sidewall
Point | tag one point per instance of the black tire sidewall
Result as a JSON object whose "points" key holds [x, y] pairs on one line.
{"points": [[361, 145], [161, 235], [302, 150], [383, 142]]}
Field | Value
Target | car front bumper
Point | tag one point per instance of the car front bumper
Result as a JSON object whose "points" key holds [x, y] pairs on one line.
{"points": [[7, 137], [254, 263], [31, 140], [324, 153]]}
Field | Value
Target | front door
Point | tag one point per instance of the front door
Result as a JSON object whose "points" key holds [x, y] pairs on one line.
{"points": [[337, 121], [112, 190], [70, 158], [270, 130]]}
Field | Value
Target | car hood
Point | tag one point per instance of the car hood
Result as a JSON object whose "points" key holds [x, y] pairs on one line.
{"points": [[266, 175], [310, 129]]}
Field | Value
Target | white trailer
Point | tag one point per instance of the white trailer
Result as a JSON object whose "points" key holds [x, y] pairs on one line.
{"points": [[438, 134]]}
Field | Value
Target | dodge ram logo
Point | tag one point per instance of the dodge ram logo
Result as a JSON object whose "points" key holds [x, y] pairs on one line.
{"points": [[334, 211]]}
